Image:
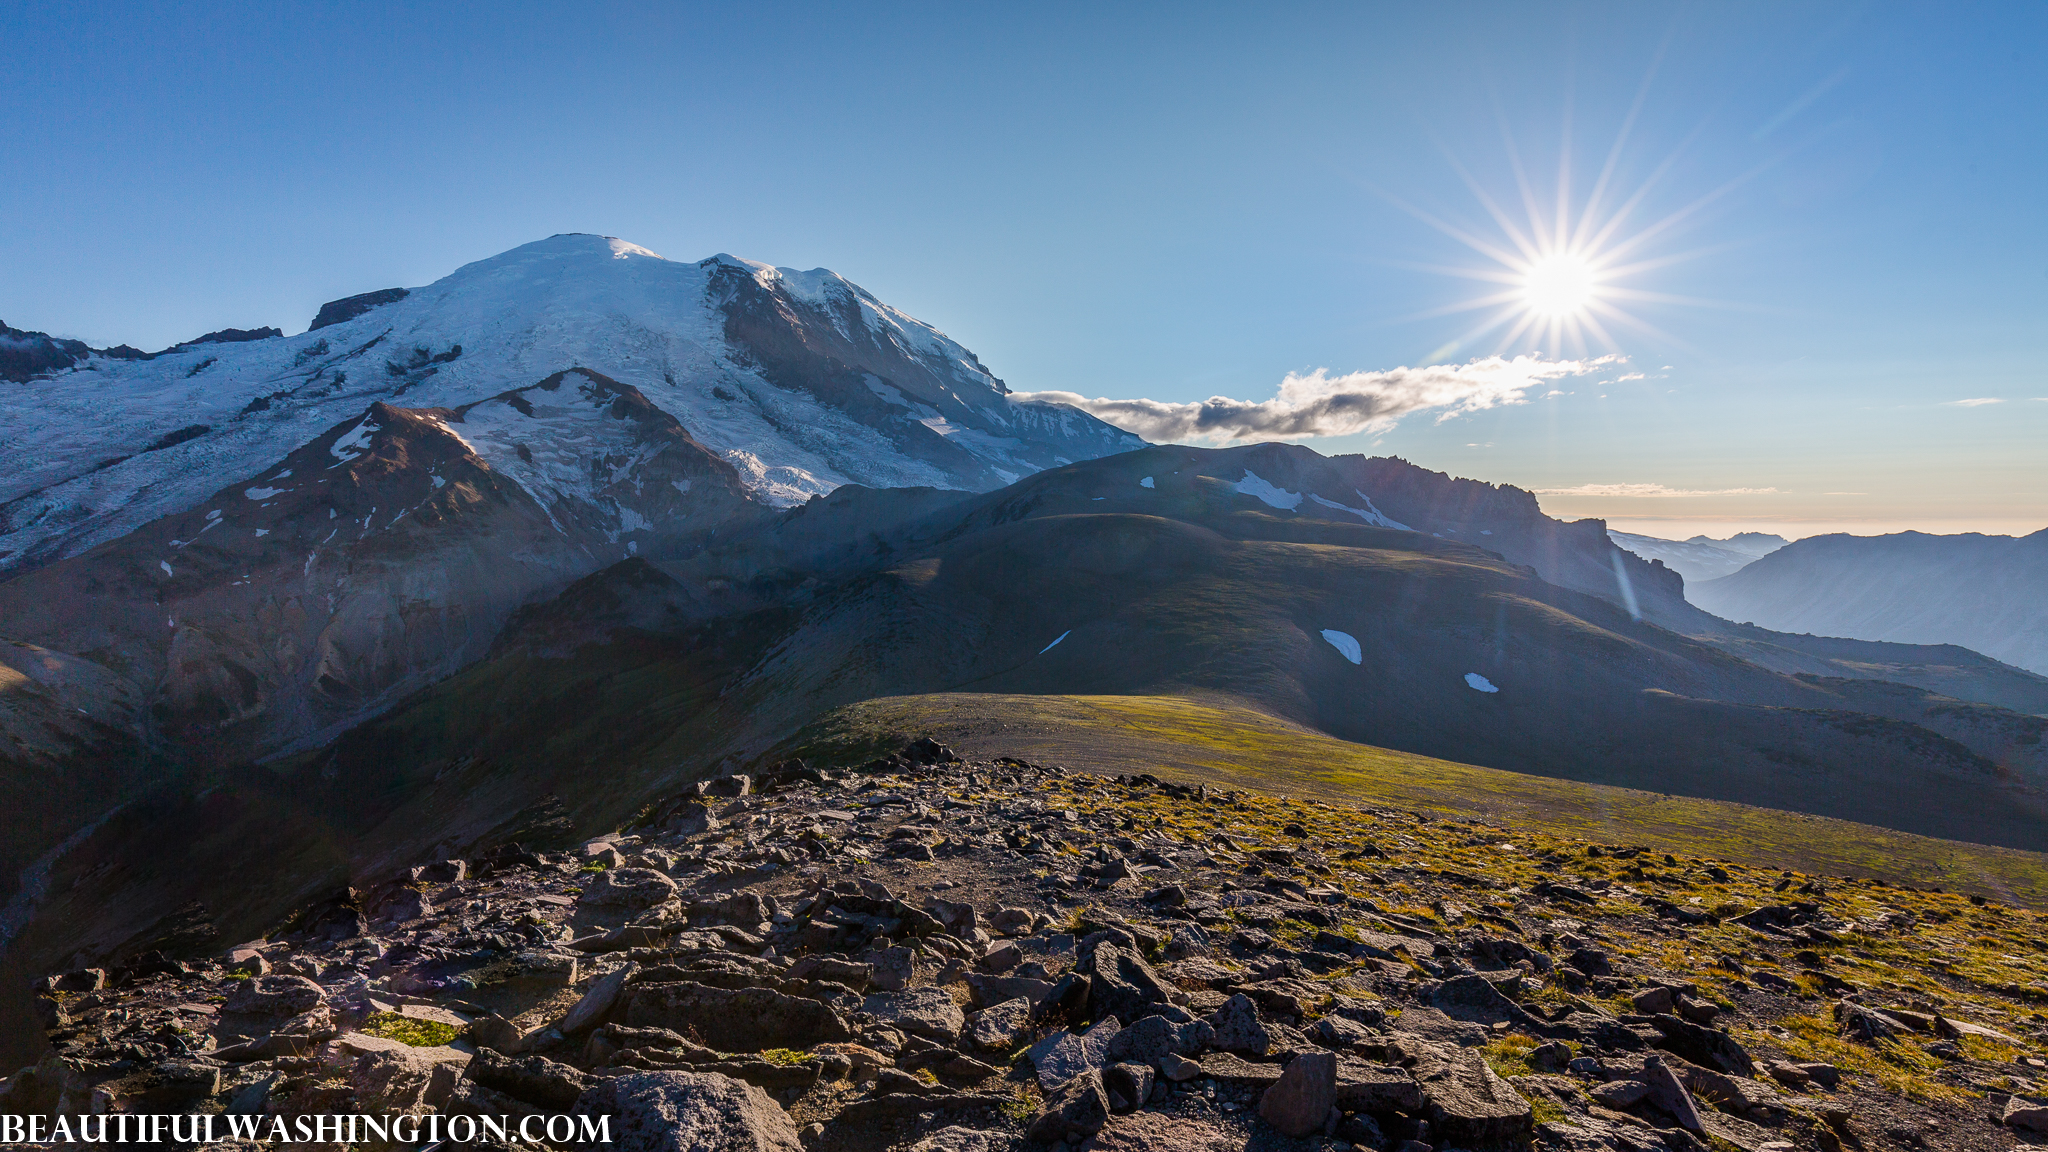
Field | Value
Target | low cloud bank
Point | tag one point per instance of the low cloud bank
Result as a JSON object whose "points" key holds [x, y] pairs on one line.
{"points": [[1320, 404]]}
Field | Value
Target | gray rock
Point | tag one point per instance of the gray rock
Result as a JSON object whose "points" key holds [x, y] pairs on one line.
{"points": [[1666, 1092], [1707, 1047], [1121, 984], [274, 995], [629, 888], [1474, 998], [1468, 1103], [927, 1012], [1074, 1111], [853, 975], [1619, 1094], [1651, 1001], [1002, 1026], [1432, 1025], [1129, 1082], [1178, 1069], [958, 1139], [688, 1112], [1063, 1056], [1156, 1036], [894, 968], [743, 1020], [535, 1080], [597, 1001], [1160, 1132], [1363, 1087], [1300, 1101], [997, 989], [1238, 1029], [1340, 1033], [2025, 1115]]}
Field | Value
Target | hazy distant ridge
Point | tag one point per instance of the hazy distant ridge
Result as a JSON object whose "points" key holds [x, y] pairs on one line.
{"points": [[1989, 593]]}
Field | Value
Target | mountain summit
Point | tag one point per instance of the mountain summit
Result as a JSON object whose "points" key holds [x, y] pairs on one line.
{"points": [[800, 381]]}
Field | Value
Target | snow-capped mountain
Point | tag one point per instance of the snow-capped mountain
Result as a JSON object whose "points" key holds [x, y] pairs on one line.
{"points": [[802, 381], [267, 538]]}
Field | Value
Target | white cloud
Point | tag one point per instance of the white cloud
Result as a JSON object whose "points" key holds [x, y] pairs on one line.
{"points": [[1648, 490], [1319, 404], [1975, 402]]}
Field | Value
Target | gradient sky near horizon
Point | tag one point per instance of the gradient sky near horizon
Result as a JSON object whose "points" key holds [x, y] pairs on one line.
{"points": [[1842, 300]]}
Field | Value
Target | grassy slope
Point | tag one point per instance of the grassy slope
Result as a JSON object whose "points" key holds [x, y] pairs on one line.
{"points": [[1224, 745]]}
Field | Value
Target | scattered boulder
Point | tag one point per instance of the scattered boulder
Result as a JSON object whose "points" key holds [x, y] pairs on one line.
{"points": [[1002, 1027], [1300, 1101], [633, 888], [1064, 1055], [1238, 1028]]}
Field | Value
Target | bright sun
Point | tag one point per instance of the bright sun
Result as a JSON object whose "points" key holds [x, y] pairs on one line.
{"points": [[1560, 285]]}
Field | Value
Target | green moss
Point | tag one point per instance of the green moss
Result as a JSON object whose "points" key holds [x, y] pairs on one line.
{"points": [[784, 1056], [407, 1030]]}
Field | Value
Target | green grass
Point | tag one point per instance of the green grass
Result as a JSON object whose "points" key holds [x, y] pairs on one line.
{"points": [[406, 1030], [1222, 744]]}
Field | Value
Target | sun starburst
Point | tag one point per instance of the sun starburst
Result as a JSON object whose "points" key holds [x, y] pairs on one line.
{"points": [[1561, 268]]}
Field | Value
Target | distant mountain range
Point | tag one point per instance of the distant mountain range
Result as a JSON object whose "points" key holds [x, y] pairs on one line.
{"points": [[1989, 593], [1701, 557]]}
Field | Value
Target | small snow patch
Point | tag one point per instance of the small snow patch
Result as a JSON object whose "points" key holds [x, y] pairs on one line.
{"points": [[1252, 485], [262, 493], [263, 531], [1146, 483], [1344, 642], [213, 515], [354, 443], [1479, 683], [1056, 642], [166, 566]]}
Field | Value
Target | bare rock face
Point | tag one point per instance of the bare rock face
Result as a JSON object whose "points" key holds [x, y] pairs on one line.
{"points": [[688, 1112]]}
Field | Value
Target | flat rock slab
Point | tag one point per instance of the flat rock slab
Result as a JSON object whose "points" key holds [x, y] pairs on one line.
{"points": [[1155, 1132], [1469, 1103], [1064, 1055], [1363, 1087], [1224, 1066], [927, 1012], [1432, 1025], [742, 1020]]}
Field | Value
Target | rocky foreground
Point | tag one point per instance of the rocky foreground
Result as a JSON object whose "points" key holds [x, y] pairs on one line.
{"points": [[921, 953]]}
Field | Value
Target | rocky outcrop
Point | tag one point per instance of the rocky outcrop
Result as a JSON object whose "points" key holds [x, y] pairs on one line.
{"points": [[691, 1024]]}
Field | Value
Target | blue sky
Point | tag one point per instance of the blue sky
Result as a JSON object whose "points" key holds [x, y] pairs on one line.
{"points": [[1166, 202]]}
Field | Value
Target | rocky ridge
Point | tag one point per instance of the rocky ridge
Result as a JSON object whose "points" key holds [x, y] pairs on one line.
{"points": [[927, 954]]}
